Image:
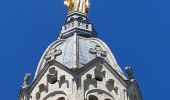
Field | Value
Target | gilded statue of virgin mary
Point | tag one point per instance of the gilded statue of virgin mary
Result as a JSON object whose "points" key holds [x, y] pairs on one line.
{"points": [[77, 5]]}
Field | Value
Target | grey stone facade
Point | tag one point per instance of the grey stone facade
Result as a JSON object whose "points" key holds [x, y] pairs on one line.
{"points": [[79, 66]]}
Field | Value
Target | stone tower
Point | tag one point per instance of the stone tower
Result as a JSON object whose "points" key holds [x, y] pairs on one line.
{"points": [[79, 66]]}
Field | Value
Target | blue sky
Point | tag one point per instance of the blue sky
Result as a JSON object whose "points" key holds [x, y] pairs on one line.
{"points": [[137, 32]]}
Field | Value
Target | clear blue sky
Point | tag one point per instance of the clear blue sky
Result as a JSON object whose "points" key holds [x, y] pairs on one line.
{"points": [[137, 32]]}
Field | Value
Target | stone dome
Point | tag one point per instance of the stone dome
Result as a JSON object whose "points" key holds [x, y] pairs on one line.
{"points": [[77, 45], [76, 51]]}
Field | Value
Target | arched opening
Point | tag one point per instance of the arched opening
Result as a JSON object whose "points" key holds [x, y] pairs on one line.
{"points": [[61, 98], [92, 97], [99, 77], [107, 99]]}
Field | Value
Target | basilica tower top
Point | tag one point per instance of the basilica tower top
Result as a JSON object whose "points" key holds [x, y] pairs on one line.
{"points": [[79, 66]]}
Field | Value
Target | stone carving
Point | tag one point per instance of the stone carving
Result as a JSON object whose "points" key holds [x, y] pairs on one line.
{"points": [[63, 80], [53, 54], [38, 95], [129, 72], [26, 80], [42, 88], [98, 51], [52, 76], [110, 85], [89, 81], [99, 74]]}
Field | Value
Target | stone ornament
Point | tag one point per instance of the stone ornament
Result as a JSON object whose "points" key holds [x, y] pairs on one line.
{"points": [[110, 85], [62, 81], [26, 80], [52, 76], [99, 74], [53, 54], [42, 88], [98, 51], [129, 72]]}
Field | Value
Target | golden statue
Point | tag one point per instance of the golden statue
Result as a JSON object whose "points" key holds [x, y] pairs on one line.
{"points": [[77, 5]]}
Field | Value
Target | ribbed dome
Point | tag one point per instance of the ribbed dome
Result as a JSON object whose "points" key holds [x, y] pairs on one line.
{"points": [[83, 57]]}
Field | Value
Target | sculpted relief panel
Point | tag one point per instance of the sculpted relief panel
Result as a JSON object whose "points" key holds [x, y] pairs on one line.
{"points": [[97, 84], [55, 84]]}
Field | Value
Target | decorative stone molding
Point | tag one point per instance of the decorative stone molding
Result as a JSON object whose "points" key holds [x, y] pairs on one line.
{"points": [[98, 91], [56, 95], [89, 81], [52, 76], [42, 88], [110, 85], [63, 80], [129, 72], [98, 51], [53, 54], [99, 74]]}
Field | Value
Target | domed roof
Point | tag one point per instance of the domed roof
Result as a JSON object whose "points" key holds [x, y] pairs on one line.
{"points": [[77, 51], [77, 45]]}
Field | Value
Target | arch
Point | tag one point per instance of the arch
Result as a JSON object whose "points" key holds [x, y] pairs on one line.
{"points": [[107, 99], [61, 98], [99, 77], [55, 93], [99, 91], [92, 97]]}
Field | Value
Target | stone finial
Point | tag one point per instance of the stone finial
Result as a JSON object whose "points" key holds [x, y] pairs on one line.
{"points": [[98, 51], [129, 72], [26, 80]]}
